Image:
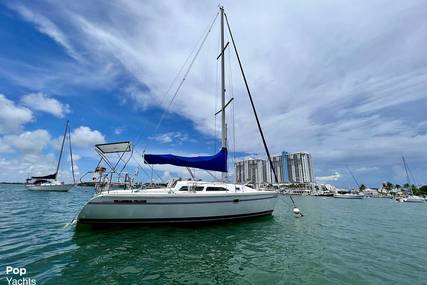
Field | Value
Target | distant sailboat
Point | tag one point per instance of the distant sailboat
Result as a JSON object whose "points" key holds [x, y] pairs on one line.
{"points": [[410, 197], [50, 182], [351, 195]]}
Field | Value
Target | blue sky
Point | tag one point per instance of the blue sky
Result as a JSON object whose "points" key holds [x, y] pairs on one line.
{"points": [[343, 81]]}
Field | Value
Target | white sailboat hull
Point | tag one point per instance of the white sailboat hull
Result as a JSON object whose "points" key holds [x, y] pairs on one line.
{"points": [[176, 208], [55, 188], [349, 196], [412, 199]]}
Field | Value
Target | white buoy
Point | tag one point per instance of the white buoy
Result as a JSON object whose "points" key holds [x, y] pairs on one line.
{"points": [[296, 211]]}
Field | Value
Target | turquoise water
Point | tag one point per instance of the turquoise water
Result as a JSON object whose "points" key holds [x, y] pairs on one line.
{"points": [[370, 241]]}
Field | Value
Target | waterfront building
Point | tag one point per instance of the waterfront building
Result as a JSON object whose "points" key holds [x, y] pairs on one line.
{"points": [[289, 167], [285, 168], [252, 170], [278, 165], [300, 167]]}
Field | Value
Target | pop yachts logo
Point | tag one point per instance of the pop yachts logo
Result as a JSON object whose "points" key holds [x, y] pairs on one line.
{"points": [[16, 276]]}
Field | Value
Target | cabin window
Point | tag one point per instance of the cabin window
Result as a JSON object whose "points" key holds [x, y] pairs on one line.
{"points": [[183, 188], [216, 189], [199, 188]]}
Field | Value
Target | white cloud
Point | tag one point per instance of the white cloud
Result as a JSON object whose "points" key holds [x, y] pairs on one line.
{"points": [[171, 137], [44, 103], [118, 131], [4, 147], [76, 157], [45, 26], [36, 153], [19, 168], [12, 117], [85, 137], [366, 169], [334, 177], [28, 142], [26, 154]]}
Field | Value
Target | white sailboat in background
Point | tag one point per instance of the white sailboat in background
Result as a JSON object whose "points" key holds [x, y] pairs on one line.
{"points": [[50, 182], [181, 200], [410, 197], [349, 196], [352, 194]]}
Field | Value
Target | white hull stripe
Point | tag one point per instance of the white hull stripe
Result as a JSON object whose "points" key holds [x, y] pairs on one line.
{"points": [[145, 202]]}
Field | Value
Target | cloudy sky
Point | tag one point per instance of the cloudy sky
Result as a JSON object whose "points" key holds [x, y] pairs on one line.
{"points": [[343, 80]]}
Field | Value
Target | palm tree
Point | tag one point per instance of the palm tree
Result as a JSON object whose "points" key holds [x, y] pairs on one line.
{"points": [[389, 186]]}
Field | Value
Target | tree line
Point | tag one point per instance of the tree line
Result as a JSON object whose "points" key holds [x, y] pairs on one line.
{"points": [[419, 191]]}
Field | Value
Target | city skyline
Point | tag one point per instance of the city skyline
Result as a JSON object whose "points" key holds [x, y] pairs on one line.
{"points": [[294, 167]]}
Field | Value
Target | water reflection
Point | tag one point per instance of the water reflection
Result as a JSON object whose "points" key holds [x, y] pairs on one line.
{"points": [[217, 252]]}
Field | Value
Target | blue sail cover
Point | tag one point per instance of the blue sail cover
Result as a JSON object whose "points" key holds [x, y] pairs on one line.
{"points": [[217, 162]]}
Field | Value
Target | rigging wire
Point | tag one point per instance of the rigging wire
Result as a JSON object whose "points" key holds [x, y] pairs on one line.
{"points": [[178, 89], [406, 170], [296, 210], [62, 147], [173, 82], [71, 155], [354, 177], [198, 46], [140, 166], [213, 176], [183, 79], [141, 155], [412, 175], [170, 87]]}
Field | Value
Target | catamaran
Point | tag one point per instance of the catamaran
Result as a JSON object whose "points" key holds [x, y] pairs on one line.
{"points": [[181, 200], [50, 182]]}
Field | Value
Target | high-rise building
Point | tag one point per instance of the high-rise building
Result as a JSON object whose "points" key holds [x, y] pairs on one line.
{"points": [[300, 167], [278, 168], [285, 168], [289, 167], [251, 171]]}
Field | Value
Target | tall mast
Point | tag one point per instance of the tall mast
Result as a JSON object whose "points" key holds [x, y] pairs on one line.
{"points": [[407, 175], [71, 156], [223, 125], [406, 170], [62, 148], [354, 177]]}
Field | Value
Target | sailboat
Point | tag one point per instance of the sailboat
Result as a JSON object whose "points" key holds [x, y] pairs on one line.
{"points": [[181, 201], [410, 197], [50, 182], [351, 194]]}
